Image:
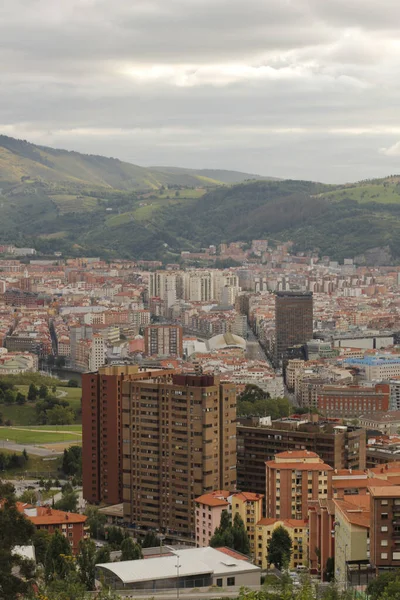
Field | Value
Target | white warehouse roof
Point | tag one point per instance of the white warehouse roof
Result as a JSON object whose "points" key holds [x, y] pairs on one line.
{"points": [[193, 561]]}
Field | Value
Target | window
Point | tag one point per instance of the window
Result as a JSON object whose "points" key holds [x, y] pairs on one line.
{"points": [[219, 582], [384, 528], [384, 502], [384, 555], [384, 542], [384, 516], [230, 581]]}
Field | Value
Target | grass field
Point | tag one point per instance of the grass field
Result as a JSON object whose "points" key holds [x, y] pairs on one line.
{"points": [[35, 467], [383, 194], [19, 415], [26, 414], [40, 435]]}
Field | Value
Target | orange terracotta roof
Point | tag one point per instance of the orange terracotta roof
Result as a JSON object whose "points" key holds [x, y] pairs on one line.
{"points": [[249, 496], [48, 516], [297, 454], [356, 514], [347, 472], [210, 500], [286, 522], [267, 521], [393, 466], [384, 491], [298, 466]]}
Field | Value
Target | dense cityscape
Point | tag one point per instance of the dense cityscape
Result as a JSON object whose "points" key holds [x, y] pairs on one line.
{"points": [[199, 300], [237, 421]]}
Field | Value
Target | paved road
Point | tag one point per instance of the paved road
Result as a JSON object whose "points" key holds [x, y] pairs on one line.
{"points": [[254, 350], [36, 450]]}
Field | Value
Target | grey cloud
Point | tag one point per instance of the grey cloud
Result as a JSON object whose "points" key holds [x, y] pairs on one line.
{"points": [[300, 88]]}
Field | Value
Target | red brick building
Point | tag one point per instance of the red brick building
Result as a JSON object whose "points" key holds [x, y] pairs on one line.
{"points": [[294, 479], [353, 400], [71, 525], [102, 446]]}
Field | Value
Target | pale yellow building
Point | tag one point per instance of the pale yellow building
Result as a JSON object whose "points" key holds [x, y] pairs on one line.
{"points": [[298, 531], [250, 507], [352, 519]]}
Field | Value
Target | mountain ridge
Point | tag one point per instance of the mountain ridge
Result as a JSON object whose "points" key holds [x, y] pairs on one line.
{"points": [[19, 158], [61, 201]]}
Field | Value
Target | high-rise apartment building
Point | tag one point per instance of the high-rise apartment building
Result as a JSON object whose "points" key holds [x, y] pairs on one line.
{"points": [[102, 430], [97, 352], [293, 480], [163, 340], [385, 526], [293, 322], [341, 447], [179, 442]]}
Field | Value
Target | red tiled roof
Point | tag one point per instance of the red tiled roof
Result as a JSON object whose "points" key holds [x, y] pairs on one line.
{"points": [[249, 496], [297, 454], [211, 500], [299, 466], [49, 516]]}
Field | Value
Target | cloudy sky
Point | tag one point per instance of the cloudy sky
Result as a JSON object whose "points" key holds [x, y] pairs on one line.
{"points": [[293, 88]]}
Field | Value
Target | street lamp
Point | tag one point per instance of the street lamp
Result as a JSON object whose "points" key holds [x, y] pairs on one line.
{"points": [[177, 578]]}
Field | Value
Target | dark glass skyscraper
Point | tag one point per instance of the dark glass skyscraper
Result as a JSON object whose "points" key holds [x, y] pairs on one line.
{"points": [[293, 322]]}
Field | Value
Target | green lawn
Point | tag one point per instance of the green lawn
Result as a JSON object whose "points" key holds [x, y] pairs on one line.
{"points": [[61, 428], [20, 436], [19, 415], [26, 414], [37, 466]]}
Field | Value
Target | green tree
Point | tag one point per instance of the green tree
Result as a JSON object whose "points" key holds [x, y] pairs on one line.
{"points": [[60, 362], [240, 538], [223, 535], [58, 560], [68, 502], [20, 399], [43, 391], [329, 573], [9, 397], [279, 548], [391, 591], [103, 555], [377, 586], [32, 393], [72, 461], [95, 521], [60, 415], [130, 550], [114, 536], [150, 540], [72, 383], [86, 561], [41, 541], [28, 497], [68, 588], [15, 530]]}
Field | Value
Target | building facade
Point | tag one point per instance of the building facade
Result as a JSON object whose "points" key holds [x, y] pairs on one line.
{"points": [[293, 481], [340, 447], [163, 340], [293, 322], [351, 400], [179, 442], [102, 448]]}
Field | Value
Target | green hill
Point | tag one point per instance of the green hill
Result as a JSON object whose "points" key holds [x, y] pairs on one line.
{"points": [[20, 159], [64, 201]]}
